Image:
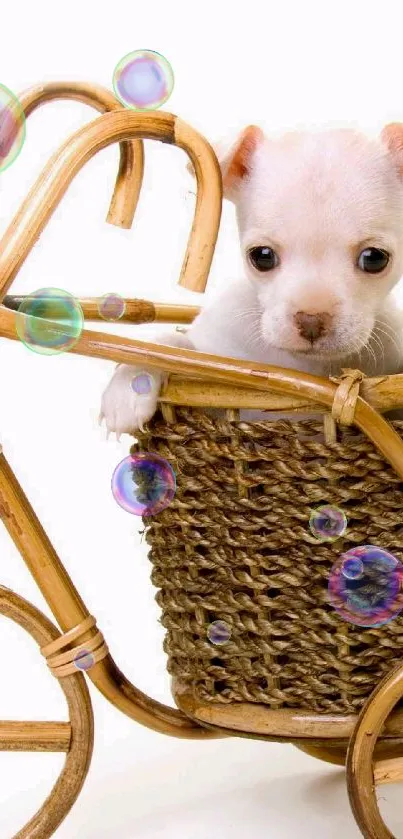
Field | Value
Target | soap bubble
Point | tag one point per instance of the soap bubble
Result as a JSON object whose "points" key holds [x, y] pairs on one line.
{"points": [[143, 484], [352, 568], [219, 632], [142, 384], [143, 80], [12, 127], [370, 594], [49, 321], [84, 660], [111, 307], [327, 523]]}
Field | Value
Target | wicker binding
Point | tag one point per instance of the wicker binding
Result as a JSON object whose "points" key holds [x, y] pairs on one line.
{"points": [[235, 546]]}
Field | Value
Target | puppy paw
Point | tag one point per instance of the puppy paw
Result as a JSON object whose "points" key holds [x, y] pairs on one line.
{"points": [[130, 399]]}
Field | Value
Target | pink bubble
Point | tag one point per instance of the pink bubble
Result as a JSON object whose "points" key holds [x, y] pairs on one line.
{"points": [[9, 128], [12, 127]]}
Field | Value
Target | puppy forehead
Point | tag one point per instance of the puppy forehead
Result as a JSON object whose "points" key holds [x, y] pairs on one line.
{"points": [[321, 179]]}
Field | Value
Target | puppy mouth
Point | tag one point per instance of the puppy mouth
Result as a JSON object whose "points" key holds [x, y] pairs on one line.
{"points": [[319, 351]]}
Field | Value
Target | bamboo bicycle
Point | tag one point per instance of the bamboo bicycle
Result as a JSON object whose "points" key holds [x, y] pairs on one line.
{"points": [[249, 689]]}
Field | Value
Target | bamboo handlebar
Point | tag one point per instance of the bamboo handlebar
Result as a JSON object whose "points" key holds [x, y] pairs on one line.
{"points": [[131, 166], [382, 392]]}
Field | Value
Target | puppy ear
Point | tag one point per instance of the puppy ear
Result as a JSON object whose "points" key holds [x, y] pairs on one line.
{"points": [[236, 160], [392, 136]]}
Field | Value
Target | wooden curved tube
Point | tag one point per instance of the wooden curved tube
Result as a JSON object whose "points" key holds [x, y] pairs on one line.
{"points": [[203, 237], [79, 748], [131, 166], [51, 185], [360, 769], [300, 726], [112, 683], [69, 609]]}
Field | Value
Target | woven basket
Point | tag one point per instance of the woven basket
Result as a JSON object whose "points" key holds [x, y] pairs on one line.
{"points": [[235, 545]]}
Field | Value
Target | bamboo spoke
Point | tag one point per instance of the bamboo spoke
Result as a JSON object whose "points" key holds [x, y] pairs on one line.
{"points": [[34, 736]]}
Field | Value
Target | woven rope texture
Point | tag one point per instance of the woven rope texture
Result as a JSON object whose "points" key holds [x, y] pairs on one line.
{"points": [[235, 545]]}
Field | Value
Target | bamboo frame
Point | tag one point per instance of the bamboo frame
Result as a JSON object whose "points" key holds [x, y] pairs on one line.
{"points": [[69, 610], [195, 379], [286, 724]]}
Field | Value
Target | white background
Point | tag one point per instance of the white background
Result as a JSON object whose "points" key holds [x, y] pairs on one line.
{"points": [[278, 65]]}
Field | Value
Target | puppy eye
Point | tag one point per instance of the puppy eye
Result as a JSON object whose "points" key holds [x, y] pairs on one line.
{"points": [[263, 259], [373, 260]]}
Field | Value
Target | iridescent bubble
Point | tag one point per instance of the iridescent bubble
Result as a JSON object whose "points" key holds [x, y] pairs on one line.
{"points": [[328, 523], [142, 384], [49, 321], [12, 127], [143, 80], [375, 596], [84, 660], [219, 632], [352, 568], [143, 484], [111, 307]]}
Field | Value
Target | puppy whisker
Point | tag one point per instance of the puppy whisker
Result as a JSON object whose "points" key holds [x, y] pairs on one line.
{"points": [[379, 344], [365, 347], [246, 313], [389, 333], [255, 335]]}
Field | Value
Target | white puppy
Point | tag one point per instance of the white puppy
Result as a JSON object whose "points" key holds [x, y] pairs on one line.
{"points": [[320, 217]]}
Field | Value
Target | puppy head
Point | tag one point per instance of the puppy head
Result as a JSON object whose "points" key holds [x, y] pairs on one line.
{"points": [[320, 218]]}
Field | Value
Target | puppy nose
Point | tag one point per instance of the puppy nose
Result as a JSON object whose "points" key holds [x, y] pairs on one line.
{"points": [[311, 326]]}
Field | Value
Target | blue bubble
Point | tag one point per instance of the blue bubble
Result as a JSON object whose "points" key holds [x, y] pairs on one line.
{"points": [[371, 593]]}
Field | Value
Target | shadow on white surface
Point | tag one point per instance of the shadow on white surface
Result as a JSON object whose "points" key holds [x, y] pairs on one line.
{"points": [[228, 789], [150, 787]]}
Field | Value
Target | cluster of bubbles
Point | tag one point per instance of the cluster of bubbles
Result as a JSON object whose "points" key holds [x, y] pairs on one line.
{"points": [[12, 127], [143, 484], [143, 80], [50, 321], [365, 586], [365, 583]]}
